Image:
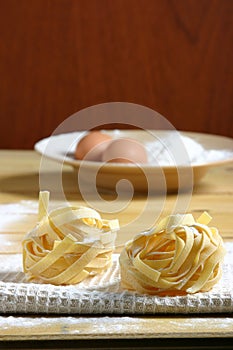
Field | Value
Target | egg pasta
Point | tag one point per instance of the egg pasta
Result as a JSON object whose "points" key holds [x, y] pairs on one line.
{"points": [[68, 244], [179, 256]]}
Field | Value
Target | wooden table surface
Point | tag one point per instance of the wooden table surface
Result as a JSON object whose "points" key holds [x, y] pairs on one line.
{"points": [[19, 180]]}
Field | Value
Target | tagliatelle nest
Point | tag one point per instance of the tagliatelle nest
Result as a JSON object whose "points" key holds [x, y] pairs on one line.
{"points": [[180, 256], [68, 244]]}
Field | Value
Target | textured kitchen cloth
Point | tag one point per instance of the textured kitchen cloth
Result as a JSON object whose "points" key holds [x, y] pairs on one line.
{"points": [[103, 294]]}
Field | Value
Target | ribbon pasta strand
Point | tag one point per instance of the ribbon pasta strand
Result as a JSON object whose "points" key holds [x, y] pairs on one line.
{"points": [[179, 256], [68, 244]]}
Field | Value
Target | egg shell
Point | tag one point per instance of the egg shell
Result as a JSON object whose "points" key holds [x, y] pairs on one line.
{"points": [[92, 145], [125, 150]]}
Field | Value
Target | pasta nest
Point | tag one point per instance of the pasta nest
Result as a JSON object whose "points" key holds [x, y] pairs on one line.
{"points": [[68, 244], [179, 256]]}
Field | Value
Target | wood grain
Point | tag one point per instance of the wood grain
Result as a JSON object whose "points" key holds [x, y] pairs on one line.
{"points": [[60, 56], [50, 328]]}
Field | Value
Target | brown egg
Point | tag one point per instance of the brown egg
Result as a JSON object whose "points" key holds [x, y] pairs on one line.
{"points": [[125, 150], [91, 146]]}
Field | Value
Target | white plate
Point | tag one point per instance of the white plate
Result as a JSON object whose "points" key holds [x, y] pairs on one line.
{"points": [[177, 160]]}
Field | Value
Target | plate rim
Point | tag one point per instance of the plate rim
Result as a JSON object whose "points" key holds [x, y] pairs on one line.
{"points": [[131, 167]]}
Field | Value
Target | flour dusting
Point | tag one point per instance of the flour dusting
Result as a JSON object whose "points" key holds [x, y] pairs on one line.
{"points": [[172, 150]]}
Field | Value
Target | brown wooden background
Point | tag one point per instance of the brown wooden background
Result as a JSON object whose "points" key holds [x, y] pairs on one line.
{"points": [[59, 56]]}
